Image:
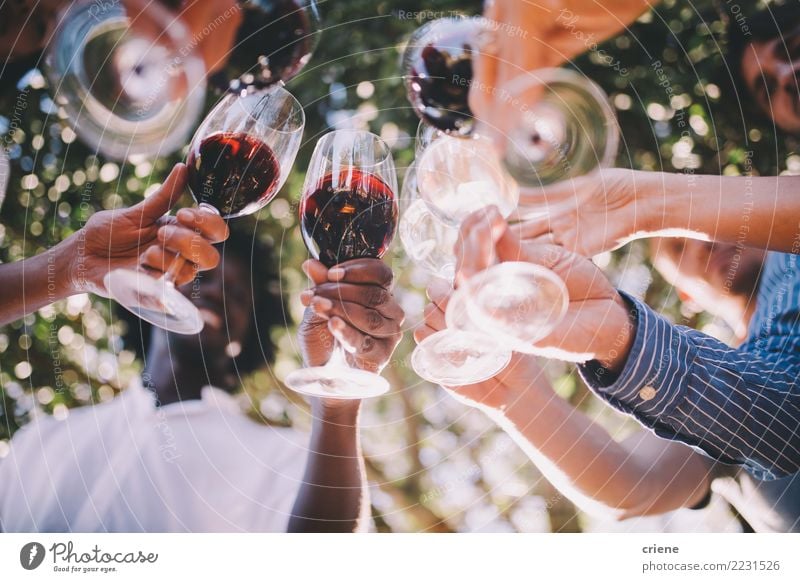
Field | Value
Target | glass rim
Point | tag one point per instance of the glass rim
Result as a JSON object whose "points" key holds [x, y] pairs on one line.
{"points": [[324, 141], [545, 76], [276, 88]]}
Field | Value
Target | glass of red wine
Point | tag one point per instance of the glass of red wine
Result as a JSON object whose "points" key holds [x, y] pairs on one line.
{"points": [[238, 160], [348, 211], [273, 43], [438, 66]]}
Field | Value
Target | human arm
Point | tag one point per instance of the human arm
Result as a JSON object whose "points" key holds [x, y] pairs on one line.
{"points": [[354, 305], [603, 211], [740, 406], [113, 239], [641, 475], [535, 35]]}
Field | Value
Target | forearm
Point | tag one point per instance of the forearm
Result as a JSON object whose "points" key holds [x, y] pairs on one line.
{"points": [[602, 475], [333, 496], [761, 212], [740, 406], [32, 283]]}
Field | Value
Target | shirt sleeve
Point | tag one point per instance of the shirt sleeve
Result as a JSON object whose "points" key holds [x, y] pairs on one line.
{"points": [[739, 406]]}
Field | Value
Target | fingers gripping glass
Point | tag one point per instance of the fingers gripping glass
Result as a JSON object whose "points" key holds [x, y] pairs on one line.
{"points": [[238, 160], [517, 303], [348, 210], [506, 308]]}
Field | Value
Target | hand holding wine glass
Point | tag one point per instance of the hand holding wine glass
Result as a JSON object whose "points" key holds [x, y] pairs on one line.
{"points": [[596, 323], [239, 158], [354, 305], [348, 211], [144, 235]]}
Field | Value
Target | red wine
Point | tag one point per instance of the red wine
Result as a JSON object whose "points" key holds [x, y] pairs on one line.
{"points": [[234, 172], [355, 219], [274, 41], [439, 65]]}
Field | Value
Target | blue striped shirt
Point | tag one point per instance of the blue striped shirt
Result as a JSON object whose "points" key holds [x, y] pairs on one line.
{"points": [[738, 405]]}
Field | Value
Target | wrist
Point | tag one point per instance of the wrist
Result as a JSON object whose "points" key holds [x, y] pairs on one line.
{"points": [[623, 325], [520, 404], [664, 200], [68, 274], [336, 411]]}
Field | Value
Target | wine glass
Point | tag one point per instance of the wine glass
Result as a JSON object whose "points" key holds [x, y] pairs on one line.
{"points": [[348, 210], [129, 87], [517, 303], [457, 176], [427, 240], [461, 354], [238, 160], [274, 41], [437, 63], [504, 309], [554, 125]]}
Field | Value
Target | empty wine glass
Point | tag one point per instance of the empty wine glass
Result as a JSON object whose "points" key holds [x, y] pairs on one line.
{"points": [[427, 240], [128, 87], [458, 176], [239, 159], [461, 354], [348, 210], [437, 64], [555, 125], [504, 309]]}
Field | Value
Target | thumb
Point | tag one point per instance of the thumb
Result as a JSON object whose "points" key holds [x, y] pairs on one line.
{"points": [[157, 205], [511, 247], [477, 238]]}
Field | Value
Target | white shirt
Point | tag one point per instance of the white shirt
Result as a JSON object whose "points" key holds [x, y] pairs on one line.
{"points": [[128, 466]]}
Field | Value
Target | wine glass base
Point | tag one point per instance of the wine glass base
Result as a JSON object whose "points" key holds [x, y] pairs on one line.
{"points": [[337, 382], [154, 300], [458, 358]]}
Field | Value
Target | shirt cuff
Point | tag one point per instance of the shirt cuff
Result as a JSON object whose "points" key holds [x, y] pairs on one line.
{"points": [[654, 379]]}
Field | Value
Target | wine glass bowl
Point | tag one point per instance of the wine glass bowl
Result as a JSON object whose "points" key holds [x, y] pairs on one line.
{"points": [[242, 153], [427, 240], [349, 207], [520, 303], [129, 87], [457, 176], [558, 126], [438, 62], [274, 41]]}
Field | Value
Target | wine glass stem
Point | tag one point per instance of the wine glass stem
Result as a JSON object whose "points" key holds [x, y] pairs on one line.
{"points": [[338, 357], [171, 274]]}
